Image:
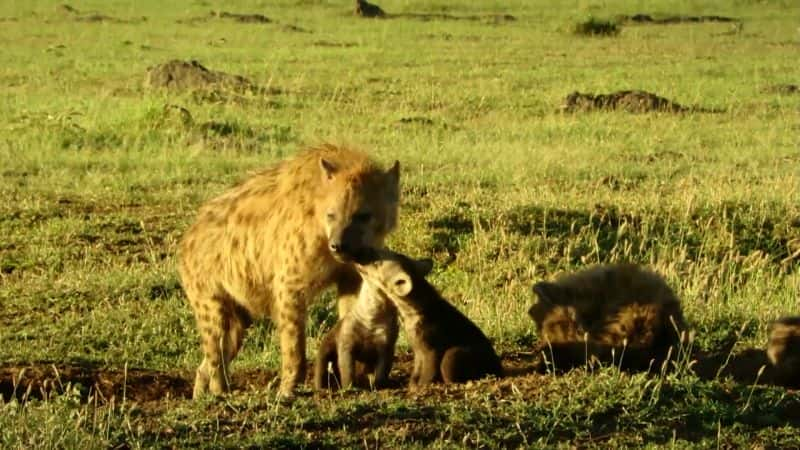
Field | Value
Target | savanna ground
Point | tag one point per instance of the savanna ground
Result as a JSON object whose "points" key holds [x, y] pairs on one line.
{"points": [[101, 174]]}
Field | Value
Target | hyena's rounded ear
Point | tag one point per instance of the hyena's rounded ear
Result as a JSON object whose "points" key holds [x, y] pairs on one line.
{"points": [[328, 168], [423, 266], [401, 284]]}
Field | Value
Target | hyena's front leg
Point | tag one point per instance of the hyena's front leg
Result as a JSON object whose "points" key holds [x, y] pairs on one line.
{"points": [[291, 321]]}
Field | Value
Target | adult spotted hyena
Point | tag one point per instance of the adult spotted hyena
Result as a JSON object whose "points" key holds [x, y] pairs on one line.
{"points": [[268, 246]]}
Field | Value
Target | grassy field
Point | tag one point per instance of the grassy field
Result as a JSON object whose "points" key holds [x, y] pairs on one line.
{"points": [[99, 177]]}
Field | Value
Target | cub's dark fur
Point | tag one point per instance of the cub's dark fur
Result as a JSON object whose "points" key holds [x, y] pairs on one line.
{"points": [[622, 308], [447, 346]]}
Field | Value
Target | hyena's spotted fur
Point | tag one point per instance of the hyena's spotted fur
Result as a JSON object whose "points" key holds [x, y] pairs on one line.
{"points": [[268, 246]]}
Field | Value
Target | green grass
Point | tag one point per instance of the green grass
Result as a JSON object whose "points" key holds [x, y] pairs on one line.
{"points": [[98, 181]]}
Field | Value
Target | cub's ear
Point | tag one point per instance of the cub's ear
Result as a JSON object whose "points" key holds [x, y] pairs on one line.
{"points": [[393, 174], [423, 267], [548, 292], [328, 169], [401, 285]]}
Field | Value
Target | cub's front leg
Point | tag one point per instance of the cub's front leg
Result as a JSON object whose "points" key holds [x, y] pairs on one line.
{"points": [[347, 364], [429, 371], [384, 366]]}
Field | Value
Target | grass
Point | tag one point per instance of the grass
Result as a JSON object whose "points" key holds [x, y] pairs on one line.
{"points": [[99, 177]]}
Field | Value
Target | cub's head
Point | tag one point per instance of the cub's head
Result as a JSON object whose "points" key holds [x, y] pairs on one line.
{"points": [[784, 342], [394, 273], [359, 206]]}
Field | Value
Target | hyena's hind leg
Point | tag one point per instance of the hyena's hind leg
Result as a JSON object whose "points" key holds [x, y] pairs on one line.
{"points": [[222, 324]]}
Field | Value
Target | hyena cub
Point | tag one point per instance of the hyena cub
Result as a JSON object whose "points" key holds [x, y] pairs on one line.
{"points": [[268, 246], [447, 346], [619, 310], [783, 350], [362, 342]]}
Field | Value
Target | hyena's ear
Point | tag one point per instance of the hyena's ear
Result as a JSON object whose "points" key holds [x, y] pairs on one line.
{"points": [[423, 267], [401, 284], [393, 182], [548, 292], [328, 169]]}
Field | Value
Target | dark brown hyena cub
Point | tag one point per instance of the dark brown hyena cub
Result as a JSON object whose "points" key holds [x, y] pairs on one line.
{"points": [[361, 343], [621, 313], [447, 346], [783, 350]]}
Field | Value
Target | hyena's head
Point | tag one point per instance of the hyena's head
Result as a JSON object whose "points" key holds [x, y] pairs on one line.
{"points": [[395, 274], [358, 208], [784, 342]]}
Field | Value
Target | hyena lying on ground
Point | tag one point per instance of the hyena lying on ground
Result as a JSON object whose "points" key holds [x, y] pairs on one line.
{"points": [[361, 343], [621, 308], [447, 346], [268, 246]]}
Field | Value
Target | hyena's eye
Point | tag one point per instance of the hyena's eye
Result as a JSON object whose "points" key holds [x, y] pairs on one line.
{"points": [[362, 217], [330, 216]]}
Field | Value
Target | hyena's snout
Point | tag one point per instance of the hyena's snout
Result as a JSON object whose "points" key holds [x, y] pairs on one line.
{"points": [[352, 243]]}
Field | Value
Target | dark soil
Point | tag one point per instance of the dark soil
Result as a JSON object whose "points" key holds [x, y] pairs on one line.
{"points": [[94, 16], [487, 18], [370, 10], [236, 17], [595, 27], [242, 18], [334, 44], [418, 120], [673, 19], [782, 89], [40, 380], [629, 101]]}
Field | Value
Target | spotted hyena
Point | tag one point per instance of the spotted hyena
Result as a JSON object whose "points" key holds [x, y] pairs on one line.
{"points": [[622, 308], [447, 345], [271, 244]]}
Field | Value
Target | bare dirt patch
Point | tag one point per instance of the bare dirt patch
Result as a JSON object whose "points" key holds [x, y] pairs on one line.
{"points": [[495, 19], [248, 18], [94, 16], [596, 27], [634, 101], [672, 19], [334, 44], [372, 11], [781, 89], [40, 380], [43, 379], [178, 75]]}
